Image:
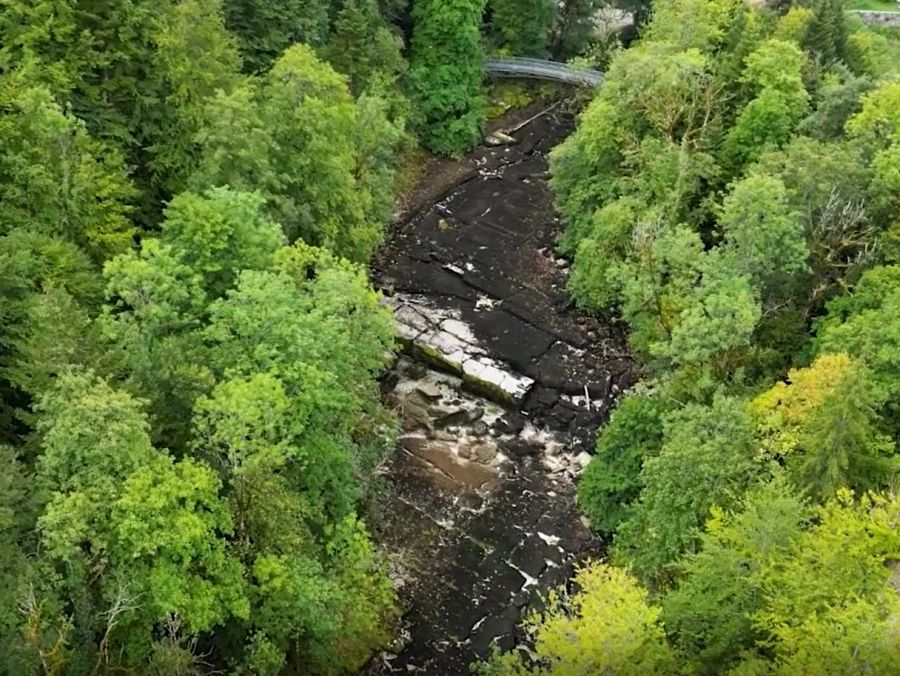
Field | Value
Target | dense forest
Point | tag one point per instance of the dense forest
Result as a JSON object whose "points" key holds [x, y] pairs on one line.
{"points": [[733, 192], [190, 344]]}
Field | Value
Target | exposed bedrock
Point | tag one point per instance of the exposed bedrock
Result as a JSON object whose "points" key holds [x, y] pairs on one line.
{"points": [[478, 290], [501, 392]]}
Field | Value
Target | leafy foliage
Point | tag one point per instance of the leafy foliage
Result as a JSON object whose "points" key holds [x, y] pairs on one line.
{"points": [[57, 180], [731, 193], [524, 26], [708, 458], [363, 46], [612, 480], [608, 626], [191, 406], [266, 29], [320, 160]]}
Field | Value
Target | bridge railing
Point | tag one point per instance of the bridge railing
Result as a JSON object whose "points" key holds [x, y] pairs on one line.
{"points": [[541, 69]]}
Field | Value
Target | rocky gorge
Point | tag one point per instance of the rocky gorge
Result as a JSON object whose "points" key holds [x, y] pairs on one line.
{"points": [[501, 390]]}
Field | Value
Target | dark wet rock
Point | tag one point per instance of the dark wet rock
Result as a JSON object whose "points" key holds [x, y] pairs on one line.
{"points": [[555, 576], [511, 423], [565, 410], [529, 559], [492, 628], [506, 642], [470, 501], [500, 583], [389, 381], [520, 599], [554, 554], [415, 371], [513, 613], [465, 613]]}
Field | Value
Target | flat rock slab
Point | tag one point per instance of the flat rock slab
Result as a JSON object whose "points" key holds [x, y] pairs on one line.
{"points": [[440, 456]]}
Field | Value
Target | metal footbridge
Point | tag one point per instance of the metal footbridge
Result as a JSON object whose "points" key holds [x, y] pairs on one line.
{"points": [[542, 70]]}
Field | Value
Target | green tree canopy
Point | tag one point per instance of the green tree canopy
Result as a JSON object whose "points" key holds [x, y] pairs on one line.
{"points": [[446, 68]]}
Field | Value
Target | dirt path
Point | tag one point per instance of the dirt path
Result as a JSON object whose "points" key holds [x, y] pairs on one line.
{"points": [[482, 513]]}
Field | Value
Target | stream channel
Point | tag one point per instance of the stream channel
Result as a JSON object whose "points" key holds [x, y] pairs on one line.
{"points": [[501, 390]]}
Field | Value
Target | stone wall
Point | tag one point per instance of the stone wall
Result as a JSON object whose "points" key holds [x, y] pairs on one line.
{"points": [[874, 18]]}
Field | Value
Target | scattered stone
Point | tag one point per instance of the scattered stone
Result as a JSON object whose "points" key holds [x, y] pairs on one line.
{"points": [[464, 451], [429, 390], [414, 445], [484, 303], [455, 269], [416, 370], [476, 414], [551, 540], [416, 398], [480, 428], [470, 501], [485, 453], [547, 397], [518, 448], [499, 138], [452, 419], [415, 417], [510, 423], [443, 435], [582, 459]]}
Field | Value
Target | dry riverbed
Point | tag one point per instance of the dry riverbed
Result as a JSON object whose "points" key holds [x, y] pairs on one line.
{"points": [[501, 393]]}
